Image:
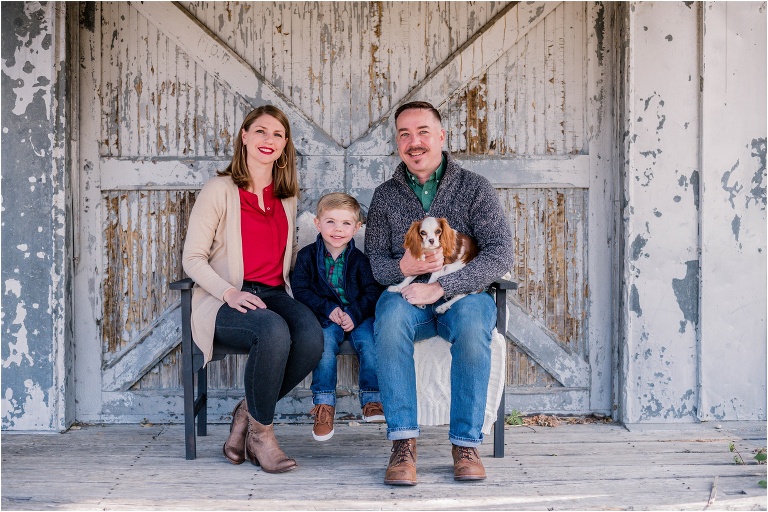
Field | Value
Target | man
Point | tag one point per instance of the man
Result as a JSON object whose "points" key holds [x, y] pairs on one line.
{"points": [[428, 182]]}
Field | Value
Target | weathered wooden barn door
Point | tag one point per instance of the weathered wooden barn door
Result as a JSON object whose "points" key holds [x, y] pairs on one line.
{"points": [[164, 87]]}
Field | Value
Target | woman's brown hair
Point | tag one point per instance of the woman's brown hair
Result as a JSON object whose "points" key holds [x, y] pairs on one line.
{"points": [[284, 177]]}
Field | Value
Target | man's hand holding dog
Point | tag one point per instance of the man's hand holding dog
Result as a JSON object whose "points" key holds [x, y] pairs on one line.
{"points": [[432, 262], [421, 294]]}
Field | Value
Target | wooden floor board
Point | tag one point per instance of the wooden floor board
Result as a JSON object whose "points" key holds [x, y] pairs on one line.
{"points": [[569, 467]]}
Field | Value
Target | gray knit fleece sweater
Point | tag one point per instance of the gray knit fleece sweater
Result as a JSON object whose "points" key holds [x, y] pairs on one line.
{"points": [[470, 204]]}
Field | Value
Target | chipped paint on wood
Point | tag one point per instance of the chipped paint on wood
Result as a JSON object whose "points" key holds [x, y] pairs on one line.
{"points": [[550, 267], [159, 100], [144, 232], [160, 103], [661, 219], [692, 178], [733, 305], [37, 336], [225, 52], [539, 79]]}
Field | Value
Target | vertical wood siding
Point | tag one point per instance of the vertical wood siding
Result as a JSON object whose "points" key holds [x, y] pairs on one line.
{"points": [[344, 64], [144, 231], [530, 101], [156, 101], [550, 267]]}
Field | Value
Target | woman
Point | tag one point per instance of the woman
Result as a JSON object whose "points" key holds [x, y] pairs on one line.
{"points": [[239, 249]]}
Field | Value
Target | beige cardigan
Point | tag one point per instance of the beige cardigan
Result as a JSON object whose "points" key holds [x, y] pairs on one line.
{"points": [[213, 253]]}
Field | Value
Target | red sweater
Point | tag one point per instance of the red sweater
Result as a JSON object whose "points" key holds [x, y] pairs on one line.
{"points": [[264, 234]]}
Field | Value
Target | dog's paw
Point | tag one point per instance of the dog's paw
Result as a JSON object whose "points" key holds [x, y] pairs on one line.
{"points": [[442, 308], [394, 288]]}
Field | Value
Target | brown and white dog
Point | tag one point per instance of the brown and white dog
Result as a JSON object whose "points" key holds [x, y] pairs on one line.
{"points": [[431, 234]]}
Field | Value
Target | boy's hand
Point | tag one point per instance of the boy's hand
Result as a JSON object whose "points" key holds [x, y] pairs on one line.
{"points": [[336, 316], [346, 322]]}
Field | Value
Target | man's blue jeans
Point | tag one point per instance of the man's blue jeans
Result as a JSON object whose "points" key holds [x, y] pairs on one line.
{"points": [[467, 326], [324, 376]]}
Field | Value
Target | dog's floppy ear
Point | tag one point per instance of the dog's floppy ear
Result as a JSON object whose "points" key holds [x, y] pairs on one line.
{"points": [[447, 237], [413, 239]]}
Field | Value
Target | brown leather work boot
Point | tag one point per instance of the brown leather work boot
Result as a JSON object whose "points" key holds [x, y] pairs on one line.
{"points": [[262, 449], [402, 464], [234, 447], [466, 464]]}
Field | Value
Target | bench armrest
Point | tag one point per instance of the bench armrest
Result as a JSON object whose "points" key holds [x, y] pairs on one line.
{"points": [[504, 284], [182, 284]]}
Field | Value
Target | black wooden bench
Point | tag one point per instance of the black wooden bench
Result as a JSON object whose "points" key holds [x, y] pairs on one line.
{"points": [[195, 405]]}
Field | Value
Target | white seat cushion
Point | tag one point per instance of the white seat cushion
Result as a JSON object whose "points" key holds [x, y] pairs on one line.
{"points": [[432, 358]]}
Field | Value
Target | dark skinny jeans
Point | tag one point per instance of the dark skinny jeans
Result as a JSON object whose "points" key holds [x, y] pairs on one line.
{"points": [[284, 344]]}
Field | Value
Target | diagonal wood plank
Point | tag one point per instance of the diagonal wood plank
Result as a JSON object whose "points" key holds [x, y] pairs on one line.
{"points": [[476, 55], [219, 60], [535, 339], [124, 370]]}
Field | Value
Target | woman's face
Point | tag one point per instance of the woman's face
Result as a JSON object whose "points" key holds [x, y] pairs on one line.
{"points": [[265, 139]]}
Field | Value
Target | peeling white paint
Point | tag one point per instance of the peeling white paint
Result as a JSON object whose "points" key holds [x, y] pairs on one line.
{"points": [[27, 412], [733, 232], [662, 157], [18, 350], [13, 286], [25, 79]]}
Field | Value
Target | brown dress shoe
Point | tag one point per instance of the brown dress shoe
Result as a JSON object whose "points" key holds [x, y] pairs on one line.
{"points": [[466, 464], [234, 447], [262, 449], [402, 464]]}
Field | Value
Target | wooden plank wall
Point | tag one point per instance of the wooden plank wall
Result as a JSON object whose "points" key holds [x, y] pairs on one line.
{"points": [[531, 100], [552, 283], [344, 64]]}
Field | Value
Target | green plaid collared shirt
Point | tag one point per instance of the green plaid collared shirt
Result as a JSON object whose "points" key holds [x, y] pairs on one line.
{"points": [[426, 192], [334, 270]]}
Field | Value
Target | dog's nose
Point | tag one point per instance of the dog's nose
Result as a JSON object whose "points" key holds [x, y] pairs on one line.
{"points": [[431, 241]]}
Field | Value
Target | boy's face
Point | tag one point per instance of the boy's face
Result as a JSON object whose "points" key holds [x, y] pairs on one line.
{"points": [[337, 227]]}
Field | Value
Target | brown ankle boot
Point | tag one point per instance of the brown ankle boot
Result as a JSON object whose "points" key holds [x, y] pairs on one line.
{"points": [[262, 449], [402, 464], [234, 447], [467, 465]]}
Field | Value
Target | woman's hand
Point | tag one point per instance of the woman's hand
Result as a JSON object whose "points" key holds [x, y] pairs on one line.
{"points": [[243, 301]]}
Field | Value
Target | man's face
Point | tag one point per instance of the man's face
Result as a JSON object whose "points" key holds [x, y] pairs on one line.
{"points": [[420, 141]]}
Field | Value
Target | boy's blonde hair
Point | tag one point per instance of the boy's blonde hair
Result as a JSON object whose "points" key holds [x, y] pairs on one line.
{"points": [[339, 201]]}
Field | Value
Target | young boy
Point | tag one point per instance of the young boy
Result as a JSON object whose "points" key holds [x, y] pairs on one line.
{"points": [[334, 279]]}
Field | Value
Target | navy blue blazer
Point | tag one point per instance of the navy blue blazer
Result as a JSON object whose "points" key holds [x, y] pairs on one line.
{"points": [[310, 286]]}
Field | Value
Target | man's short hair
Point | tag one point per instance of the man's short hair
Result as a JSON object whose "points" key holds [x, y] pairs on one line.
{"points": [[339, 201], [418, 104]]}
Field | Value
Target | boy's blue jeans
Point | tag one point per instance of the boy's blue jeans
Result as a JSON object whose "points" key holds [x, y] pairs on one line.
{"points": [[467, 326], [324, 376]]}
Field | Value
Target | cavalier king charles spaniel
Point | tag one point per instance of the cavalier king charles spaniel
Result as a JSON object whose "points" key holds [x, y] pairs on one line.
{"points": [[431, 234]]}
